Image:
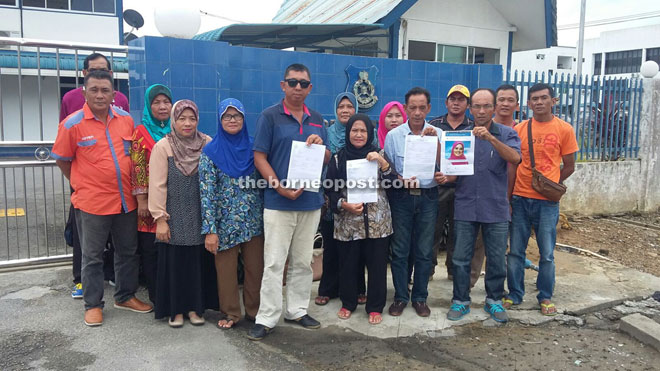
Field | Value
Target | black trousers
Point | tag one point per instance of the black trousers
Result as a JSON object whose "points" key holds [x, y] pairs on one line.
{"points": [[374, 251], [148, 253], [108, 253], [329, 285]]}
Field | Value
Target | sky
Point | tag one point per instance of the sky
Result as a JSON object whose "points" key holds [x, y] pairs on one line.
{"points": [[263, 11]]}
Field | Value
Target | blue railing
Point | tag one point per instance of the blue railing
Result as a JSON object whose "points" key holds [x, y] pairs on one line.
{"points": [[604, 111]]}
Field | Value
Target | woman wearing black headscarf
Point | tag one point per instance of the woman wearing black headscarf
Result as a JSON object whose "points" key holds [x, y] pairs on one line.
{"points": [[361, 229]]}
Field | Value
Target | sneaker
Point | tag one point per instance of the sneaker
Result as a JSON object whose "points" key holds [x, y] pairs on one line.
{"points": [[306, 321], [258, 332], [112, 283], [457, 311], [496, 312], [77, 292], [134, 305]]}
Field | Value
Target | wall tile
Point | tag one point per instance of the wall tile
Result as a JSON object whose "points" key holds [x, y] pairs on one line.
{"points": [[206, 99], [205, 76], [252, 80], [181, 51], [157, 73], [204, 52], [181, 75], [179, 93], [418, 70], [208, 123], [251, 99], [252, 75], [157, 49]]}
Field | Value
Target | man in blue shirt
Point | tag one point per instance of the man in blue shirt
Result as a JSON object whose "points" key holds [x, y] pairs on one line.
{"points": [[481, 202], [291, 216], [414, 210]]}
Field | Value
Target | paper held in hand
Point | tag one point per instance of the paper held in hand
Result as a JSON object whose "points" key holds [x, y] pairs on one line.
{"points": [[420, 156], [305, 166], [361, 181], [457, 152]]}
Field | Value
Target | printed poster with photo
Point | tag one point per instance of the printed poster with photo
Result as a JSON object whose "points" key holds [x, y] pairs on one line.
{"points": [[457, 153]]}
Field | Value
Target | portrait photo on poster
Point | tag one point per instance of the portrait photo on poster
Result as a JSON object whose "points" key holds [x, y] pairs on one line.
{"points": [[457, 148]]}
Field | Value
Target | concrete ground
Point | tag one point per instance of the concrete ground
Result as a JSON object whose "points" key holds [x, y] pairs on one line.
{"points": [[41, 327]]}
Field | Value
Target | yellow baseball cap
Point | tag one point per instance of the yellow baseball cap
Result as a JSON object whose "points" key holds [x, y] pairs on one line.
{"points": [[460, 89]]}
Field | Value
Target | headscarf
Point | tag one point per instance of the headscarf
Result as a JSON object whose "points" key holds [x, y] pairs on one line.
{"points": [[382, 128], [232, 153], [158, 129], [452, 156], [337, 132], [350, 152], [186, 150]]}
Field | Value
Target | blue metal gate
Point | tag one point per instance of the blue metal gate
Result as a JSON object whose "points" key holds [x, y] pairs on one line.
{"points": [[604, 111]]}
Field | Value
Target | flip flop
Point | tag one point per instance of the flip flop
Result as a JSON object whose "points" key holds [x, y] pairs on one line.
{"points": [[548, 308], [321, 300], [507, 303], [375, 318], [228, 320], [344, 313]]}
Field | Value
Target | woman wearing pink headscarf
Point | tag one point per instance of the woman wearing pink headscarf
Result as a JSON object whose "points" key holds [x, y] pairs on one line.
{"points": [[391, 116], [458, 153]]}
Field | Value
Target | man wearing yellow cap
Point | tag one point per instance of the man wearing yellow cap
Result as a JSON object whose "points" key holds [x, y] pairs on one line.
{"points": [[457, 102]]}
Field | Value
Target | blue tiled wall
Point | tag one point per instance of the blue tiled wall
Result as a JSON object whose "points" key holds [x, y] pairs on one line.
{"points": [[208, 72]]}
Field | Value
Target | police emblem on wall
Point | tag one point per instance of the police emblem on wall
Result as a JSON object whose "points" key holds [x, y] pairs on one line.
{"points": [[361, 86]]}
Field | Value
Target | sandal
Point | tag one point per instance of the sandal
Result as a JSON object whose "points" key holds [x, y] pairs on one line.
{"points": [[321, 300], [375, 318], [228, 321], [548, 308], [362, 299], [344, 313], [507, 303]]}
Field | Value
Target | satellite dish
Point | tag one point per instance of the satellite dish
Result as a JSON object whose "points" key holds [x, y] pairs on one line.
{"points": [[133, 18], [128, 36]]}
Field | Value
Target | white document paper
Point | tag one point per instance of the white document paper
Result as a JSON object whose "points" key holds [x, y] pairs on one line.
{"points": [[457, 153], [305, 166], [362, 178], [420, 157]]}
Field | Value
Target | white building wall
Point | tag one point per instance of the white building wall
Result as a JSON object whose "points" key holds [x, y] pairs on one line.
{"points": [[428, 21], [61, 26], [30, 93], [11, 21], [619, 40], [544, 60]]}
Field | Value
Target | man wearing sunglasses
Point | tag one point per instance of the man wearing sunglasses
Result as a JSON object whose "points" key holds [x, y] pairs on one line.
{"points": [[291, 216]]}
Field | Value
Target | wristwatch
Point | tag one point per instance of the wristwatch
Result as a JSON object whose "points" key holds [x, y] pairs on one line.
{"points": [[339, 203]]}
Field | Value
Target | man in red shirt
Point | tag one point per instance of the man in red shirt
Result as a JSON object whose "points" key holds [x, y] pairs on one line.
{"points": [[73, 101], [92, 151]]}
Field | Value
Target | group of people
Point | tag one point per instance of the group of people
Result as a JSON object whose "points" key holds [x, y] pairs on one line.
{"points": [[174, 202]]}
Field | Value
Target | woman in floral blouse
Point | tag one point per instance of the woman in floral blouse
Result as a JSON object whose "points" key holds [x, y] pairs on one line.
{"points": [[361, 230], [154, 126], [232, 212]]}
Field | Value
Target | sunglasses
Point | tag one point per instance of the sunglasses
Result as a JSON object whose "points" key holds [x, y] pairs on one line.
{"points": [[303, 83]]}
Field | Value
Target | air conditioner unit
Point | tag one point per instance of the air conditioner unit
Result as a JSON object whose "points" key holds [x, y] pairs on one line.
{"points": [[4, 33]]}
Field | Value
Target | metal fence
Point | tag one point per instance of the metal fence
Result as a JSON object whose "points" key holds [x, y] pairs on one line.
{"points": [[34, 195], [604, 111]]}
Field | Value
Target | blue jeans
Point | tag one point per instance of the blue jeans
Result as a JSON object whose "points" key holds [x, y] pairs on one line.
{"points": [[412, 215], [543, 216], [495, 238]]}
